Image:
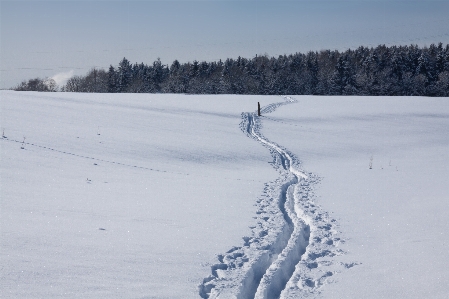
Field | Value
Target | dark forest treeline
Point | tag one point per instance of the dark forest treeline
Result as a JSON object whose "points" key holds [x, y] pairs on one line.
{"points": [[396, 70]]}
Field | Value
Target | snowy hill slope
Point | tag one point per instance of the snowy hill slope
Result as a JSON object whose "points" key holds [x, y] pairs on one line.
{"points": [[394, 216], [171, 180], [149, 196]]}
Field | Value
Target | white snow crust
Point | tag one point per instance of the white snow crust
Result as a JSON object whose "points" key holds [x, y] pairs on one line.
{"points": [[195, 196], [393, 218]]}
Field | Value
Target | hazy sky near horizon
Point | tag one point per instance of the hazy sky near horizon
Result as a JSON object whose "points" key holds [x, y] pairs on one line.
{"points": [[62, 38]]}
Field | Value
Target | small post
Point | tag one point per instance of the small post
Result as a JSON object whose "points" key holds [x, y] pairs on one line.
{"points": [[23, 143], [258, 108]]}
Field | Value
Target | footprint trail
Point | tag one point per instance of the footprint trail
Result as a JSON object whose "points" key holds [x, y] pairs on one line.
{"points": [[290, 251]]}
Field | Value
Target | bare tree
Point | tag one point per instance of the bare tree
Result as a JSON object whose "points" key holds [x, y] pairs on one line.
{"points": [[37, 84]]}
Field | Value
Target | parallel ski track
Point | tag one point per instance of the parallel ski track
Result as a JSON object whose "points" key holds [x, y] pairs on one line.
{"points": [[297, 232], [267, 262]]}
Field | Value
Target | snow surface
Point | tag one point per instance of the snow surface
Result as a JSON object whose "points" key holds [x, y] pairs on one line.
{"points": [[395, 216], [149, 196]]}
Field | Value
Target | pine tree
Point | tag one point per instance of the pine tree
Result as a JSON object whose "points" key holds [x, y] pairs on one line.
{"points": [[343, 81], [112, 80], [424, 66], [312, 70], [124, 75]]}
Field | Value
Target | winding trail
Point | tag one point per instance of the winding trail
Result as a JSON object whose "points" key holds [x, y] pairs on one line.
{"points": [[290, 251], [296, 233]]}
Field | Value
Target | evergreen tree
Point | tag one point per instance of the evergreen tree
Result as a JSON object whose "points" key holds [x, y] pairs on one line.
{"points": [[124, 75], [424, 67], [112, 80], [343, 81]]}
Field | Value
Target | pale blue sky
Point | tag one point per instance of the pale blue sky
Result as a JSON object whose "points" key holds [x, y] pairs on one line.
{"points": [[45, 38]]}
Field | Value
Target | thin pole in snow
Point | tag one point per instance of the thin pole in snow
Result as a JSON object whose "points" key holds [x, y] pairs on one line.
{"points": [[258, 108]]}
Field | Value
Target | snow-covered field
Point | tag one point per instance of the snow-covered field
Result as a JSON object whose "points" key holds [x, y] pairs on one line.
{"points": [[188, 196]]}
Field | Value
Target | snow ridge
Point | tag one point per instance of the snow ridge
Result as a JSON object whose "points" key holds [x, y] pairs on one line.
{"points": [[288, 254]]}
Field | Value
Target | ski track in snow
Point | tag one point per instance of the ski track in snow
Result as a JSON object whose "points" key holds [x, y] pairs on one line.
{"points": [[289, 254]]}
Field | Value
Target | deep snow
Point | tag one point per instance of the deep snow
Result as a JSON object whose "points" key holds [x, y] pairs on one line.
{"points": [[395, 216], [163, 227], [138, 196]]}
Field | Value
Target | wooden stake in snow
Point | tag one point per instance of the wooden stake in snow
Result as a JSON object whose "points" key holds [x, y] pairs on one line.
{"points": [[258, 108]]}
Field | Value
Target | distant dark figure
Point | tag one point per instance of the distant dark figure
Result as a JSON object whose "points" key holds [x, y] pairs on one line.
{"points": [[258, 108]]}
